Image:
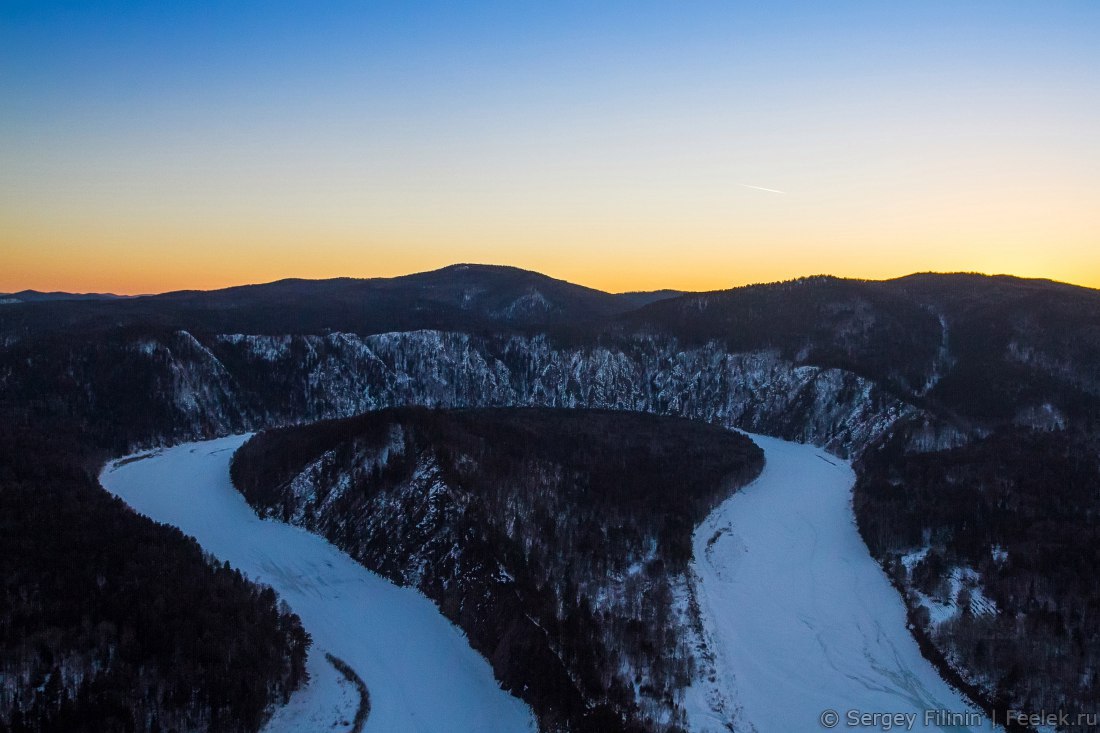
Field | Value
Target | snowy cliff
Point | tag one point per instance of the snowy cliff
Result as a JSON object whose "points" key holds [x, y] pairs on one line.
{"points": [[312, 377]]}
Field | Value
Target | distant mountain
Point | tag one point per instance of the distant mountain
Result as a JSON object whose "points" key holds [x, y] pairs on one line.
{"points": [[459, 297], [37, 296], [1013, 346], [639, 298]]}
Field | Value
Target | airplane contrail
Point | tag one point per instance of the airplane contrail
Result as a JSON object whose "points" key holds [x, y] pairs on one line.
{"points": [[761, 188]]}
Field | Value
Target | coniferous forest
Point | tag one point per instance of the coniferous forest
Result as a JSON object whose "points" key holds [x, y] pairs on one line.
{"points": [[559, 540], [109, 622], [1022, 509]]}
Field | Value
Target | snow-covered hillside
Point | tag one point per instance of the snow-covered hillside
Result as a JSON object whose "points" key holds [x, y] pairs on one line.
{"points": [[420, 671], [558, 540], [798, 617]]}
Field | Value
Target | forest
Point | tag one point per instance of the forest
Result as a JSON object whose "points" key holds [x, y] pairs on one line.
{"points": [[109, 622], [1021, 508], [558, 539]]}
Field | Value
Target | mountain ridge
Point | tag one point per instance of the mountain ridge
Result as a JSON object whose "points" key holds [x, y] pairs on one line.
{"points": [[488, 268]]}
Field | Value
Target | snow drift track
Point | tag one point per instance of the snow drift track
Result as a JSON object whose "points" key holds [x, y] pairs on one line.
{"points": [[420, 671], [798, 617]]}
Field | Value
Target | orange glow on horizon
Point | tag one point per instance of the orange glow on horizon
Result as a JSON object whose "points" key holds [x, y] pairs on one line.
{"points": [[156, 271], [616, 146]]}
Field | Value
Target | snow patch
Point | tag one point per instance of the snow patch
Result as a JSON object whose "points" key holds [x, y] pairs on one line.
{"points": [[328, 702], [1041, 417]]}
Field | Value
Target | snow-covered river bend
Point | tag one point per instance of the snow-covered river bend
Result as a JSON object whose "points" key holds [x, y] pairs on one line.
{"points": [[801, 618], [420, 671]]}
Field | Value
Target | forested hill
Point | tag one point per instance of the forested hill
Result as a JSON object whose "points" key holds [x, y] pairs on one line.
{"points": [[981, 349], [558, 539], [996, 544], [460, 297], [904, 375]]}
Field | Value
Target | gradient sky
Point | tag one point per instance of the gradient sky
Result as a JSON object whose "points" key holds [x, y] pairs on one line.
{"points": [[624, 145]]}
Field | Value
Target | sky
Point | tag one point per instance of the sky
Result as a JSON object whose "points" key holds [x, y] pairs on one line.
{"points": [[633, 145]]}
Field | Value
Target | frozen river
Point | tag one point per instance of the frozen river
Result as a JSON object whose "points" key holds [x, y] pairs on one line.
{"points": [[420, 671], [802, 621]]}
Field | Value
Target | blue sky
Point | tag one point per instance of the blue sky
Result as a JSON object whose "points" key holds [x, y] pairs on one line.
{"points": [[616, 144]]}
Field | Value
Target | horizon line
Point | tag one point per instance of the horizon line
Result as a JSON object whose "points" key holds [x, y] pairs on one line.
{"points": [[108, 295]]}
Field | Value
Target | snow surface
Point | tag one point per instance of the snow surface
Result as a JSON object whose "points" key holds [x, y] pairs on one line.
{"points": [[797, 615], [941, 610], [419, 668], [327, 703]]}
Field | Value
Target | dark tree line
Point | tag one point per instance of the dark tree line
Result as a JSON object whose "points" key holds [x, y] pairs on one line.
{"points": [[1022, 508], [109, 622]]}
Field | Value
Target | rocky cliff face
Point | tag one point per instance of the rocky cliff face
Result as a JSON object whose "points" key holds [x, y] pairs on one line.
{"points": [[170, 386], [311, 377]]}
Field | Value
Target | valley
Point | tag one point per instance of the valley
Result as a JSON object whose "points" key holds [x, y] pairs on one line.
{"points": [[967, 405], [421, 672], [797, 618], [505, 367]]}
